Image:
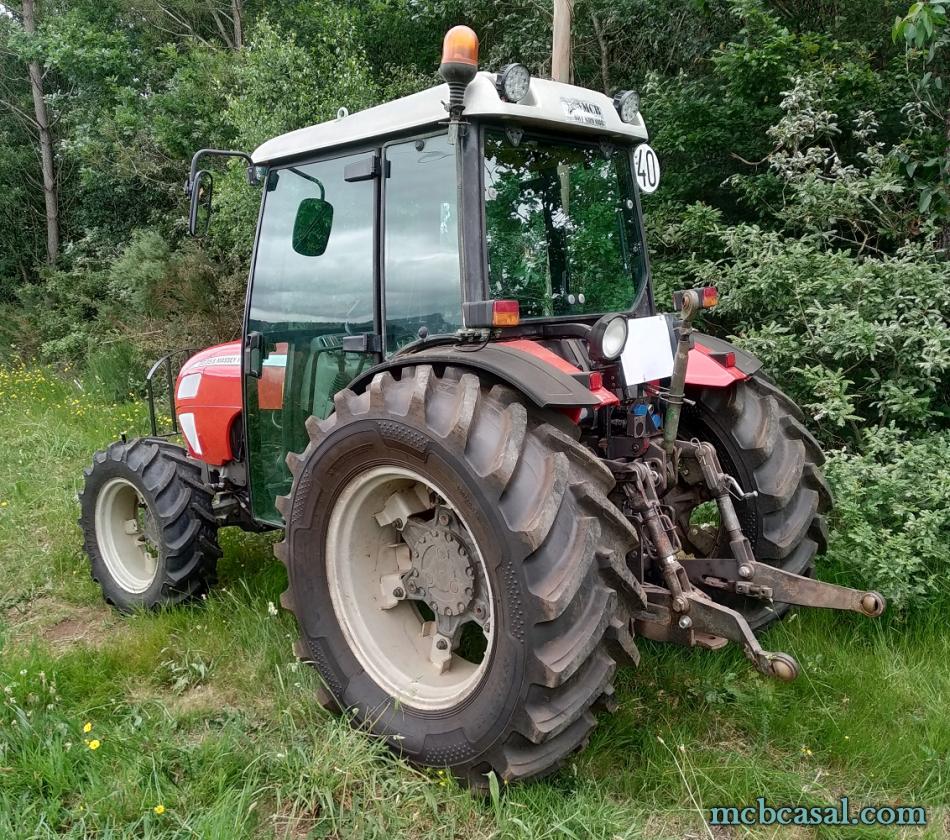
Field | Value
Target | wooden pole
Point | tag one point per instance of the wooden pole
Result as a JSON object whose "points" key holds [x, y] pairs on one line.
{"points": [[561, 72], [561, 41]]}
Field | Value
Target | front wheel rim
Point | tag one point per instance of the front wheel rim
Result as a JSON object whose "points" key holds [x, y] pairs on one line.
{"points": [[397, 641], [125, 534]]}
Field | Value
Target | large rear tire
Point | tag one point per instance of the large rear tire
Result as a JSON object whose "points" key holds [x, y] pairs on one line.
{"points": [[148, 526], [535, 511], [761, 440]]}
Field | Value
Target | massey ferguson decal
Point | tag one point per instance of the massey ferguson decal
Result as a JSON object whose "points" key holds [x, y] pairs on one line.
{"points": [[582, 111]]}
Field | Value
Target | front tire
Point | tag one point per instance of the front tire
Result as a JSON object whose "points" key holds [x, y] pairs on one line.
{"points": [[148, 527], [534, 504]]}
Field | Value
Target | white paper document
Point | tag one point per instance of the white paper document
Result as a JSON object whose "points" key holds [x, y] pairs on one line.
{"points": [[648, 353]]}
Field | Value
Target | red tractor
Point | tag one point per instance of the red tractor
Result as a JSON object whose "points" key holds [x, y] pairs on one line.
{"points": [[494, 463]]}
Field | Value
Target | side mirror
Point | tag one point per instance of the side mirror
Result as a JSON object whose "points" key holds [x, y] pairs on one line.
{"points": [[312, 227], [199, 216]]}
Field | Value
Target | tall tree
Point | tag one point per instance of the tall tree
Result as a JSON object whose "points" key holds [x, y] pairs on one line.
{"points": [[45, 135]]}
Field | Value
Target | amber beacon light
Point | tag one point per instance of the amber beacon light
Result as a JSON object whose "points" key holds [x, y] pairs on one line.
{"points": [[460, 46], [459, 64]]}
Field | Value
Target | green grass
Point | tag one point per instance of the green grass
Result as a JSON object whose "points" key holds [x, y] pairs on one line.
{"points": [[202, 709]]}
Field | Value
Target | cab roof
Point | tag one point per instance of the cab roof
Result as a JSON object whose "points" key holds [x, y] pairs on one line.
{"points": [[552, 105]]}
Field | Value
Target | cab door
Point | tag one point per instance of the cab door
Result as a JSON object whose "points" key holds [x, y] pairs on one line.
{"points": [[313, 284]]}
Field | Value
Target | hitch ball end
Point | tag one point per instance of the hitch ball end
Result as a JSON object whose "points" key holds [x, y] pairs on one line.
{"points": [[784, 667], [872, 604]]}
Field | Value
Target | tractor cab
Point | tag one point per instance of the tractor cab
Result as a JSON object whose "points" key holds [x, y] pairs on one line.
{"points": [[505, 205]]}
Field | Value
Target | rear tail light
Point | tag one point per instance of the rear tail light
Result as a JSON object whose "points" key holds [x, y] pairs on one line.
{"points": [[710, 296], [703, 298], [505, 313], [480, 314]]}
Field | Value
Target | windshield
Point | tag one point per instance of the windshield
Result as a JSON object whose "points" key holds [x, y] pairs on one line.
{"points": [[564, 235]]}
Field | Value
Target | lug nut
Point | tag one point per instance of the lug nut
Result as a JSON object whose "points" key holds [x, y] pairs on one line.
{"points": [[412, 587], [441, 644], [685, 622], [479, 612], [398, 592], [448, 611], [443, 519]]}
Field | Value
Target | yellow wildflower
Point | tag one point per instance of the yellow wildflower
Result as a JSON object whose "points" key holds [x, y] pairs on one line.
{"points": [[159, 809], [94, 744], [87, 727]]}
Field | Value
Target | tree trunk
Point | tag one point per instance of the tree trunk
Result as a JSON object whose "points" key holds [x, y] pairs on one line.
{"points": [[50, 189], [237, 9], [602, 47]]}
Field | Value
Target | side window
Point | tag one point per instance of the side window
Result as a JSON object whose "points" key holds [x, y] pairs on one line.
{"points": [[313, 283], [329, 293], [422, 276]]}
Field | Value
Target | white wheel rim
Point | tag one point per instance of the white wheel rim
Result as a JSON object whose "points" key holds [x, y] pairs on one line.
{"points": [[122, 534], [388, 642]]}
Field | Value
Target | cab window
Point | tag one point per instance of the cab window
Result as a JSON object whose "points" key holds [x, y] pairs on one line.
{"points": [[421, 262]]}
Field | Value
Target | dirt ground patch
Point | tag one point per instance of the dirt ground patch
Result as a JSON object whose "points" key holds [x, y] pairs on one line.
{"points": [[199, 700], [58, 623]]}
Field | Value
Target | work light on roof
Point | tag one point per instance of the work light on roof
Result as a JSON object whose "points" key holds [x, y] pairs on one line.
{"points": [[627, 103], [512, 82]]}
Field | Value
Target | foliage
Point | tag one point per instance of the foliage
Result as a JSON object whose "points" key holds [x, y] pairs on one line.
{"points": [[114, 369], [926, 35], [892, 518], [864, 341]]}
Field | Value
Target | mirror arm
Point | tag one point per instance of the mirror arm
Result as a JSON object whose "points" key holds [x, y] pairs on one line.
{"points": [[252, 178], [311, 178]]}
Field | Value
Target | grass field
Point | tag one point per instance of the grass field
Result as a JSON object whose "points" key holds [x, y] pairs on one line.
{"points": [[200, 724]]}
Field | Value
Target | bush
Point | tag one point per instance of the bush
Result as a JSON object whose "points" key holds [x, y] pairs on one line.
{"points": [[115, 371], [892, 520], [853, 340]]}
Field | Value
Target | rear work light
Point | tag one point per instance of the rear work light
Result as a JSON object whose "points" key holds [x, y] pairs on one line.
{"points": [[491, 313]]}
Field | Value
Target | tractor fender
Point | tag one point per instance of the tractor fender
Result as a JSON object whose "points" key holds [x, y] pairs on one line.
{"points": [[542, 376], [715, 363]]}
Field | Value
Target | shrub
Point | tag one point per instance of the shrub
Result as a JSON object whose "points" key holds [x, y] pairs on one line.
{"points": [[115, 370], [854, 340], [892, 520]]}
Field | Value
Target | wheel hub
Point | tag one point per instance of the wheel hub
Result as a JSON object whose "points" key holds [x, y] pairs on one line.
{"points": [[127, 535], [409, 587], [442, 574]]}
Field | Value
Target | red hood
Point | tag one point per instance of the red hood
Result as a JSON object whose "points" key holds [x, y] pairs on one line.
{"points": [[208, 401], [224, 358]]}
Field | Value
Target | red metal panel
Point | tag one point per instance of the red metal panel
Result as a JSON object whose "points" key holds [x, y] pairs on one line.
{"points": [[606, 397], [216, 403], [703, 371]]}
